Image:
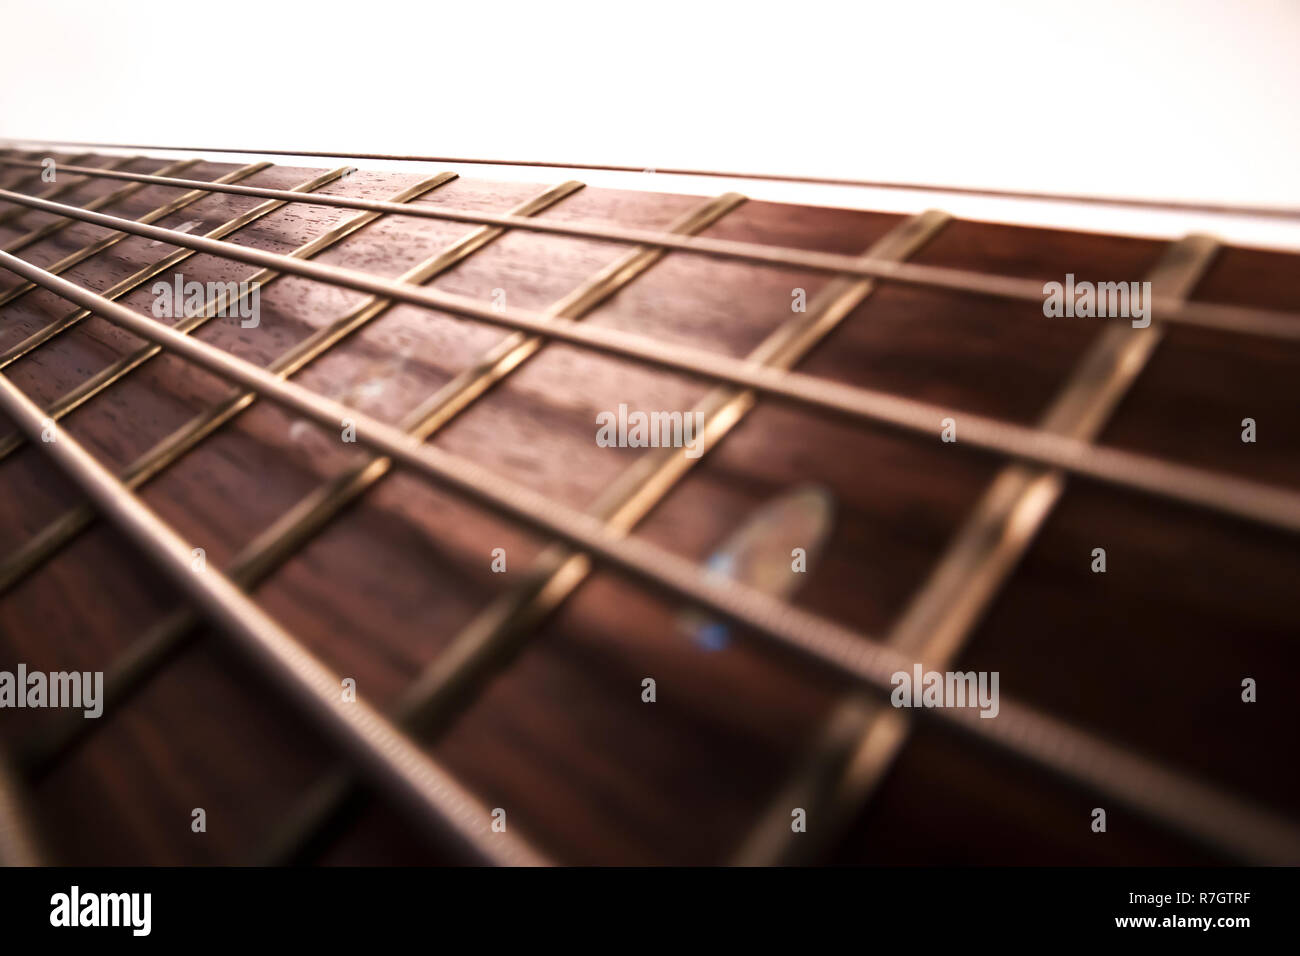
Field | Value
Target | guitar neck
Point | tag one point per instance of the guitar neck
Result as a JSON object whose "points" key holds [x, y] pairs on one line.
{"points": [[545, 522]]}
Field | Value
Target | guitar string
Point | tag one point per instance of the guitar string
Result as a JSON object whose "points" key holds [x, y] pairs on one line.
{"points": [[1219, 317], [451, 682], [859, 742], [1242, 498], [1217, 208], [1020, 731]]}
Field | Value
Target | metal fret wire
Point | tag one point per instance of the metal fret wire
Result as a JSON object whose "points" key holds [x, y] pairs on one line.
{"points": [[1064, 750], [143, 275], [148, 653], [859, 742], [76, 397], [1166, 204], [107, 242], [1249, 500], [392, 760], [58, 225], [63, 529], [451, 681], [1223, 318]]}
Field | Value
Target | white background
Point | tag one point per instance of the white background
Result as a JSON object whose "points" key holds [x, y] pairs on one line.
{"points": [[1194, 100]]}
